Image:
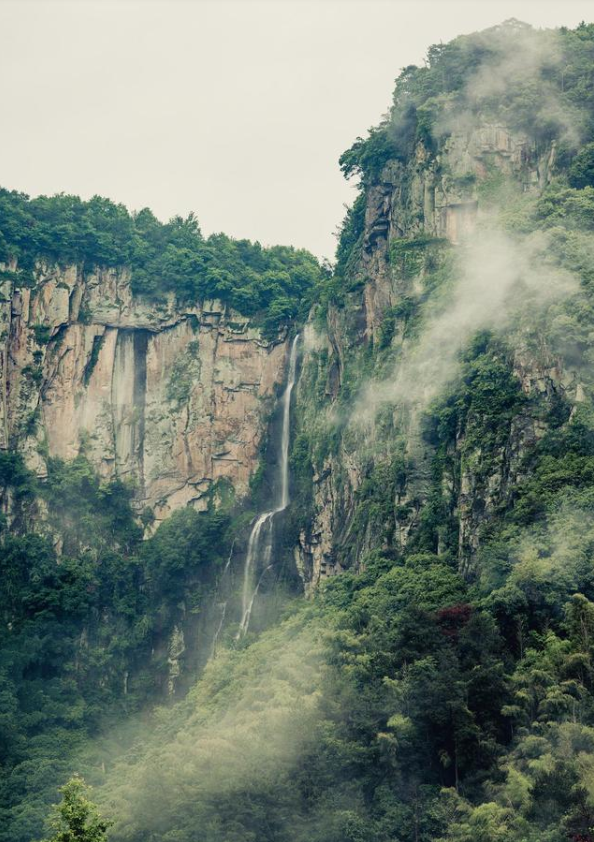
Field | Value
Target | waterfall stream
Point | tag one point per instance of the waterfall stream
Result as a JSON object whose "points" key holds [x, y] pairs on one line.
{"points": [[259, 548], [222, 606]]}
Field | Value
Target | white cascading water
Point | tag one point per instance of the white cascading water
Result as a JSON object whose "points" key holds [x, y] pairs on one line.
{"points": [[260, 542], [222, 606]]}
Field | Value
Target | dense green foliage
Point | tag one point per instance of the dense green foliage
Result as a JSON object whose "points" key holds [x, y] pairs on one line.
{"points": [[581, 171], [82, 632], [548, 93], [441, 689], [405, 703], [401, 705], [171, 257], [76, 819]]}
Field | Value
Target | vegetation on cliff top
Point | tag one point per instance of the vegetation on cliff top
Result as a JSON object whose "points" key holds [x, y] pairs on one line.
{"points": [[163, 257], [538, 81]]}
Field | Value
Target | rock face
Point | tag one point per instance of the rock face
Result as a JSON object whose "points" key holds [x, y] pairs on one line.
{"points": [[173, 399], [440, 195]]}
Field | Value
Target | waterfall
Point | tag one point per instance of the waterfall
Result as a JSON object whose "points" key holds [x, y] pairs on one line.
{"points": [[259, 548], [222, 584]]}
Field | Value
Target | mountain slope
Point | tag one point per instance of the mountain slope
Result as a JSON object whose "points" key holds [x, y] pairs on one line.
{"points": [[440, 687]]}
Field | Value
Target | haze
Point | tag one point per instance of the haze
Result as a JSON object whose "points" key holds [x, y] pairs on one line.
{"points": [[237, 110]]}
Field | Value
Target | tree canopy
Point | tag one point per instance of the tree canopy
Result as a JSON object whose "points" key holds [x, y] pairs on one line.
{"points": [[274, 283], [76, 818]]}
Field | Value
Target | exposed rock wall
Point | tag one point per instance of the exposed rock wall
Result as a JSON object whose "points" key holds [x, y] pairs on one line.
{"points": [[171, 398], [434, 194]]}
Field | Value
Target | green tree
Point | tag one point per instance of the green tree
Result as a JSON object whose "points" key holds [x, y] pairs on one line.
{"points": [[581, 171], [76, 818]]}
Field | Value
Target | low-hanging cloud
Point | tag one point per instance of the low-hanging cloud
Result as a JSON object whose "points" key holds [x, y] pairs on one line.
{"points": [[519, 77], [239, 733], [497, 276]]}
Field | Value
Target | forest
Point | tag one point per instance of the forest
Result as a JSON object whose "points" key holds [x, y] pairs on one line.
{"points": [[437, 685], [164, 258]]}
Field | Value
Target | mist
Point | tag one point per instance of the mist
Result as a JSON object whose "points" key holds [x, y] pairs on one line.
{"points": [[435, 511], [242, 730], [497, 276], [516, 64], [499, 271]]}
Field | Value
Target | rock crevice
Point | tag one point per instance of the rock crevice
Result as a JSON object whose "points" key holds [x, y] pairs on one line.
{"points": [[151, 393]]}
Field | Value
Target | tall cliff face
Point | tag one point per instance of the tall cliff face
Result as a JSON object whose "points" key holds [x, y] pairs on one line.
{"points": [[174, 399], [441, 455], [418, 215], [437, 193]]}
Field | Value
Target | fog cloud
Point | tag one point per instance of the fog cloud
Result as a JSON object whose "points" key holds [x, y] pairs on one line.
{"points": [[497, 276], [520, 75]]}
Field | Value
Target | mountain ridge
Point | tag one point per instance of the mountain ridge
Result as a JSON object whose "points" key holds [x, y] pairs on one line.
{"points": [[436, 684]]}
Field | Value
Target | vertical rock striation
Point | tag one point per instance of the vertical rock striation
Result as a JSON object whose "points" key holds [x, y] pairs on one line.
{"points": [[174, 399], [437, 196]]}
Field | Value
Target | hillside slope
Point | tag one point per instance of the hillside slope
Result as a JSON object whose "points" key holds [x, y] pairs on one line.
{"points": [[437, 685]]}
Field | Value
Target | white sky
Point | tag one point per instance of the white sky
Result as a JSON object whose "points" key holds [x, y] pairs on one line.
{"points": [[235, 109]]}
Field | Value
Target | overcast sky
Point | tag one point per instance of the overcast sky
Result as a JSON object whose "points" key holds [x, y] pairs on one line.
{"points": [[236, 109]]}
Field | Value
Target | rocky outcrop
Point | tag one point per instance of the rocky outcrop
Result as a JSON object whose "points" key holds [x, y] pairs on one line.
{"points": [[442, 195], [315, 556], [543, 381], [438, 196], [174, 399]]}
